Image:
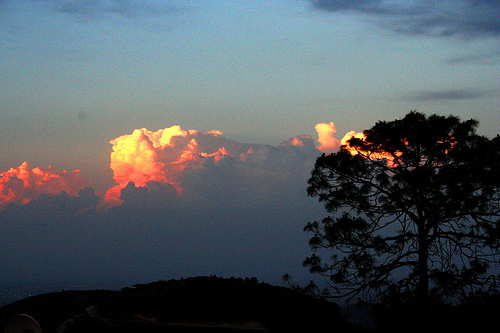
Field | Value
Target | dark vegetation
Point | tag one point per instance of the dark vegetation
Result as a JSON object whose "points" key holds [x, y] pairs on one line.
{"points": [[211, 304], [415, 210], [473, 314], [207, 304]]}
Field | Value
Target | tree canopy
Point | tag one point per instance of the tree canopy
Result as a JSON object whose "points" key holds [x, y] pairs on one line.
{"points": [[414, 209]]}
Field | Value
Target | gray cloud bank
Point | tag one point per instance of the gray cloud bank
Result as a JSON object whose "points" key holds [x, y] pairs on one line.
{"points": [[120, 7], [447, 95], [486, 58], [460, 18], [232, 219], [127, 8]]}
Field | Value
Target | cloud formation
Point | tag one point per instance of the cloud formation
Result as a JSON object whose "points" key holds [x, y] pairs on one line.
{"points": [[93, 8], [24, 183], [186, 158], [485, 58], [328, 143], [447, 95], [188, 161], [189, 203], [241, 216], [458, 18], [173, 154], [119, 7]]}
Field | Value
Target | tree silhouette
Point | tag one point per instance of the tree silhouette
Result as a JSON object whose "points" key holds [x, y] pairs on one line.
{"points": [[415, 209]]}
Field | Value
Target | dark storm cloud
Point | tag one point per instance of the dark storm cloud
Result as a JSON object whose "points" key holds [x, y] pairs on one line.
{"points": [[460, 18], [446, 95]]}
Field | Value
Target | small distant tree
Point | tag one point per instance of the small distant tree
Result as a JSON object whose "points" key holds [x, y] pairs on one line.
{"points": [[415, 209]]}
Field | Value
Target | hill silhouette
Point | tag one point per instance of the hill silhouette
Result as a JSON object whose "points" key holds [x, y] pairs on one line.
{"points": [[201, 304]]}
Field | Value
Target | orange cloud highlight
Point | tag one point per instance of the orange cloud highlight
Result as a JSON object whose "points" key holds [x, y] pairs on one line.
{"points": [[161, 156], [328, 143], [367, 154], [297, 142], [23, 184], [348, 136], [164, 155]]}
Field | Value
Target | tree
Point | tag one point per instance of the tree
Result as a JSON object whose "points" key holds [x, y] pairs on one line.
{"points": [[415, 209]]}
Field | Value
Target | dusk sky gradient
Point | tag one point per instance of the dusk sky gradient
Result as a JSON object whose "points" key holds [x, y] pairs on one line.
{"points": [[76, 74]]}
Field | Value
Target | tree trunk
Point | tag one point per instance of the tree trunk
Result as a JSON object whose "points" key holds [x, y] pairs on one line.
{"points": [[423, 272]]}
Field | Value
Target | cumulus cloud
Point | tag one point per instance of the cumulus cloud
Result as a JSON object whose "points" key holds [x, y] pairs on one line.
{"points": [[187, 160], [328, 143], [24, 183], [460, 18], [234, 217], [190, 202], [162, 156], [174, 156]]}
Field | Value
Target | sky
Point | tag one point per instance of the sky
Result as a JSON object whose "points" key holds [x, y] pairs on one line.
{"points": [[75, 75]]}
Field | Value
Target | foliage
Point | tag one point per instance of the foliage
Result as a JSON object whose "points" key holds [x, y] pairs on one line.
{"points": [[415, 210]]}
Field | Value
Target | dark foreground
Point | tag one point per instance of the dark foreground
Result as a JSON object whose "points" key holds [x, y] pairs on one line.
{"points": [[211, 304], [204, 304]]}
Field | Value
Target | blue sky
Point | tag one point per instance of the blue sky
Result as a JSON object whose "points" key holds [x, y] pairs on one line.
{"points": [[76, 74]]}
